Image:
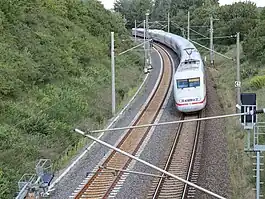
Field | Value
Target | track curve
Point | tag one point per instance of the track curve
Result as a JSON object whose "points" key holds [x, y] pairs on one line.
{"points": [[101, 183]]}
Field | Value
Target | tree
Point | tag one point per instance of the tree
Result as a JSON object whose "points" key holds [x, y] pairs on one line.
{"points": [[254, 44], [161, 8], [191, 5], [238, 17], [133, 10], [122, 6], [262, 14]]}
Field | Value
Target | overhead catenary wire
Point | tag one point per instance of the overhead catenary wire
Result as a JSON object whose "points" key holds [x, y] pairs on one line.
{"points": [[171, 122], [221, 37], [132, 172], [157, 23], [230, 58], [148, 164], [213, 50], [199, 33], [139, 45]]}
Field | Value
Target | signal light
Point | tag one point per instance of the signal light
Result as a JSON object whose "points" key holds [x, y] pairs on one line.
{"points": [[248, 104]]}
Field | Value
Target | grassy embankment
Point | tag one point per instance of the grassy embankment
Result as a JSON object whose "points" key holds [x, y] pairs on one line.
{"points": [[55, 76], [224, 74]]}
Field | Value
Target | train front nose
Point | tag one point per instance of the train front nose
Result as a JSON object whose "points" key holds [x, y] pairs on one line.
{"points": [[190, 104]]}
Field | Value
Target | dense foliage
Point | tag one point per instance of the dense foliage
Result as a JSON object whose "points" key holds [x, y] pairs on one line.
{"points": [[240, 17], [133, 10], [254, 44], [55, 75]]}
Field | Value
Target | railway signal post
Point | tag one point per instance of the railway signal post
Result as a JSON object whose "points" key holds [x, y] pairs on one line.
{"points": [[211, 41], [238, 81], [255, 144], [168, 22], [149, 65], [113, 75], [188, 28], [135, 26]]}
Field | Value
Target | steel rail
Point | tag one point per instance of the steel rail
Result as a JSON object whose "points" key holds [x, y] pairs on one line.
{"points": [[170, 158], [148, 164], [132, 172], [122, 162], [192, 159], [154, 118], [178, 191]]}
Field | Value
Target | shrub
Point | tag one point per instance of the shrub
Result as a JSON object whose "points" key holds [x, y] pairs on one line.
{"points": [[248, 70], [257, 82]]}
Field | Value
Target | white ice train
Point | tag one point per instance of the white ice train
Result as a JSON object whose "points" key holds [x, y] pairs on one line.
{"points": [[189, 78]]}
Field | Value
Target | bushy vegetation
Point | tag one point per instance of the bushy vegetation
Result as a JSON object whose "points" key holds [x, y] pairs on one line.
{"points": [[257, 82], [55, 75]]}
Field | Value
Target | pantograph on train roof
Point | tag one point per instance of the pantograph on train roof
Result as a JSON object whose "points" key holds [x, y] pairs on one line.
{"points": [[189, 64]]}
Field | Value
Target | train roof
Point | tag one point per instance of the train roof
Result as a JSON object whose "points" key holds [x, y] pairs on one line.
{"points": [[190, 59], [192, 63]]}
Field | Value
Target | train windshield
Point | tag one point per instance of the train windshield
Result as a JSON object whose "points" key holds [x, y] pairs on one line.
{"points": [[188, 83], [183, 83]]}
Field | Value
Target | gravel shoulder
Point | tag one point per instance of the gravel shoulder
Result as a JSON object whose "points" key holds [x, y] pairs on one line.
{"points": [[74, 178], [214, 171]]}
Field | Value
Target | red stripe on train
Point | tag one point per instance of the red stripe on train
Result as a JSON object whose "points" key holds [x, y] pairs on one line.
{"points": [[201, 102]]}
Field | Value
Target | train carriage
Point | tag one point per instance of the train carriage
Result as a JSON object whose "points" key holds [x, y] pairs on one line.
{"points": [[189, 78]]}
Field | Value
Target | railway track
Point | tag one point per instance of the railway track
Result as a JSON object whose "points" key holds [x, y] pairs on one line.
{"points": [[101, 183], [181, 162]]}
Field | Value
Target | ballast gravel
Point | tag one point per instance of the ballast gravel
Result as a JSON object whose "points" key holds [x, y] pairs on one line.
{"points": [[214, 172]]}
